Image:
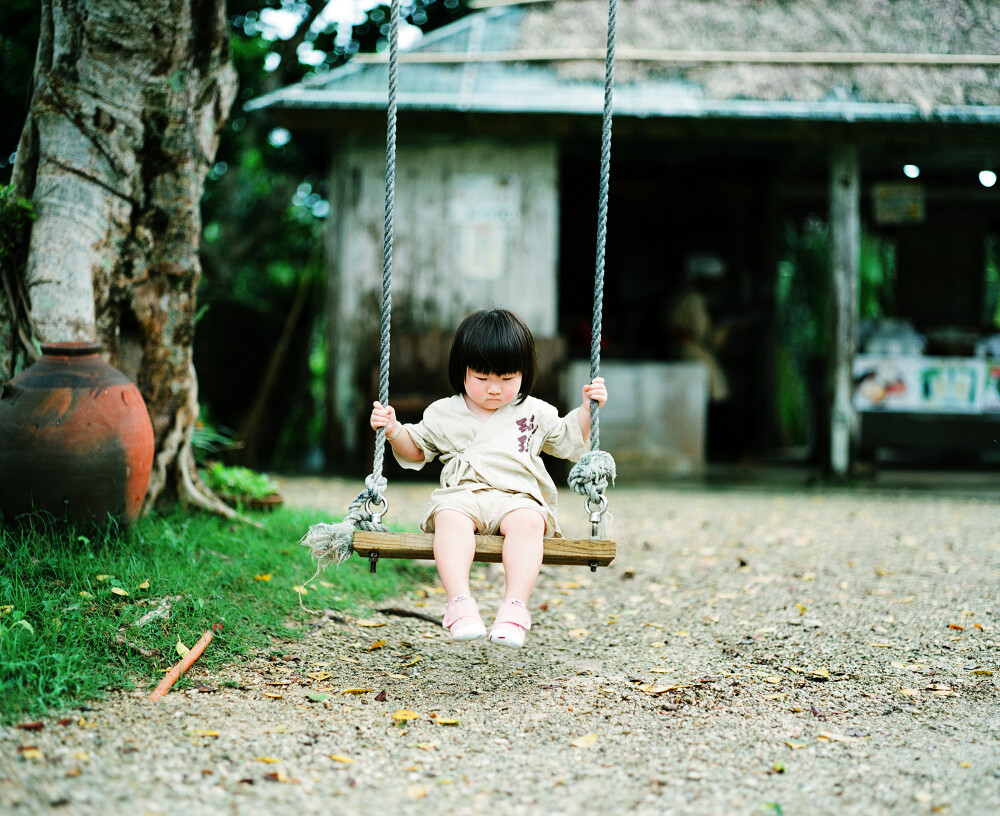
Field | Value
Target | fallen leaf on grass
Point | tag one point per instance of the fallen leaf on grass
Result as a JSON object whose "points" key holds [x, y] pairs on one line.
{"points": [[404, 715], [378, 644], [144, 585], [301, 590], [265, 577], [586, 741], [119, 591], [180, 648]]}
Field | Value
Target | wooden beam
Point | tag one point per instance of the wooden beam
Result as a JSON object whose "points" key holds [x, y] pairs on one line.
{"points": [[686, 57], [845, 249], [580, 552]]}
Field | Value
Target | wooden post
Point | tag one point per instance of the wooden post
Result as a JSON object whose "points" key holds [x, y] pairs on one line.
{"points": [[845, 242]]}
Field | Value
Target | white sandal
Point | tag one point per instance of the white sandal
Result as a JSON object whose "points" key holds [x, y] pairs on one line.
{"points": [[462, 619], [512, 624]]}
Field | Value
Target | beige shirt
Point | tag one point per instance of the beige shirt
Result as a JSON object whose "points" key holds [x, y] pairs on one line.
{"points": [[501, 451]]}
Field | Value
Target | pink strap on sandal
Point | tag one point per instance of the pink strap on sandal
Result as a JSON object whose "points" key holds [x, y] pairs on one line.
{"points": [[461, 617], [512, 623]]}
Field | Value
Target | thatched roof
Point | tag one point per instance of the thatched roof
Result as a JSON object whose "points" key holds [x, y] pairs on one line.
{"points": [[900, 60], [878, 28]]}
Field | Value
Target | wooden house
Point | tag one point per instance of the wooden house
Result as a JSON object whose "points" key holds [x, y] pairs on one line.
{"points": [[759, 135]]}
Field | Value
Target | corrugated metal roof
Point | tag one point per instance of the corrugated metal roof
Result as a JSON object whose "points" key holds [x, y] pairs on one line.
{"points": [[530, 87]]}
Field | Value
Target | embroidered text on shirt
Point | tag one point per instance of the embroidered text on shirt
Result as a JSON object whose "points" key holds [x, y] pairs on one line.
{"points": [[527, 427]]}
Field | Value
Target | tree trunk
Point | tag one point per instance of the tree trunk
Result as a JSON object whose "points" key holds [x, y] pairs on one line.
{"points": [[129, 100]]}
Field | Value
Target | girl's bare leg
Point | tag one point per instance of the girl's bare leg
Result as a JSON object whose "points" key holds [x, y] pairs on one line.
{"points": [[454, 551], [523, 531]]}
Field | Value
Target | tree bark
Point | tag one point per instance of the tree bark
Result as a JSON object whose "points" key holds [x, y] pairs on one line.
{"points": [[128, 103]]}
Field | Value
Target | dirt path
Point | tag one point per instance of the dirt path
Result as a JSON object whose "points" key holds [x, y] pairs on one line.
{"points": [[748, 653]]}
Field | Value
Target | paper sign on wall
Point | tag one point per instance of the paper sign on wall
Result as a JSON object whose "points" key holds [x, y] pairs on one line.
{"points": [[484, 211]]}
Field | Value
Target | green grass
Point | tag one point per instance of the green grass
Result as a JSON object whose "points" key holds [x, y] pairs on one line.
{"points": [[61, 601]]}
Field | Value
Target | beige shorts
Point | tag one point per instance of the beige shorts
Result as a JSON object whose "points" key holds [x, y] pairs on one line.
{"points": [[485, 506]]}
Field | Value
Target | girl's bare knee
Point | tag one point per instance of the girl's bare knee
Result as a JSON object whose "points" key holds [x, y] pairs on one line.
{"points": [[523, 522]]}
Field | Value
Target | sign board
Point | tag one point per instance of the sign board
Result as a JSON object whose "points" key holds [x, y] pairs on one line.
{"points": [[898, 203], [484, 211], [947, 385]]}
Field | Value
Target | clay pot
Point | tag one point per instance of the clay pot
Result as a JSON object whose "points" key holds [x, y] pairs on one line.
{"points": [[75, 439]]}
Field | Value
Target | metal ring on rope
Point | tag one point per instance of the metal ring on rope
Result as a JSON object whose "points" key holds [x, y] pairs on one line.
{"points": [[376, 515]]}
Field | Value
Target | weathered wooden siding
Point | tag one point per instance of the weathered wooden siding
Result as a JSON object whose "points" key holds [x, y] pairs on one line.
{"points": [[475, 225]]}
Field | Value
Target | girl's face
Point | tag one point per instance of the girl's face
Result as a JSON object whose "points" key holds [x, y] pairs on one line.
{"points": [[491, 391]]}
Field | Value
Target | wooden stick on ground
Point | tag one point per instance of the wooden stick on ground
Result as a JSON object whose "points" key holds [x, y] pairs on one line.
{"points": [[172, 676]]}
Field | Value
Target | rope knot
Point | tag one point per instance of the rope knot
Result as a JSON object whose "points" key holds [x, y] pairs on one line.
{"points": [[592, 474], [334, 543]]}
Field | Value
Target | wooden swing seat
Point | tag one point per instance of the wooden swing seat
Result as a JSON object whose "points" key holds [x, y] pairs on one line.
{"points": [[589, 552]]}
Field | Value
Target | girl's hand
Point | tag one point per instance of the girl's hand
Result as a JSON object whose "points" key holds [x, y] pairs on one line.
{"points": [[595, 391], [383, 418]]}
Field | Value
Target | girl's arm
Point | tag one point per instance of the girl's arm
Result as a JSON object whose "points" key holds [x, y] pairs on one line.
{"points": [[396, 435], [597, 392]]}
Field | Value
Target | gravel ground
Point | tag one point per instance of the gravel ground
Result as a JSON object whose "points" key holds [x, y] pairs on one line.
{"points": [[749, 652]]}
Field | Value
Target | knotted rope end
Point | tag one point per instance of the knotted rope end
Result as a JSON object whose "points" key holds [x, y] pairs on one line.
{"points": [[592, 474], [329, 543]]}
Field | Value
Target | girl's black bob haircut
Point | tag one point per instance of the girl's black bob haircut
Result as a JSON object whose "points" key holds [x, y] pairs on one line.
{"points": [[493, 341]]}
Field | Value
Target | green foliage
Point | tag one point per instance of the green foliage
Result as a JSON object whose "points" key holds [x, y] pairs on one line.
{"points": [[19, 24], [62, 603], [16, 214], [207, 441], [239, 482]]}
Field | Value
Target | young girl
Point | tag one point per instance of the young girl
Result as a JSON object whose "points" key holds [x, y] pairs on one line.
{"points": [[489, 436]]}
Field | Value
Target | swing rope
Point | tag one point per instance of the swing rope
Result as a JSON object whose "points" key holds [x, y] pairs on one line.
{"points": [[333, 543], [591, 475]]}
